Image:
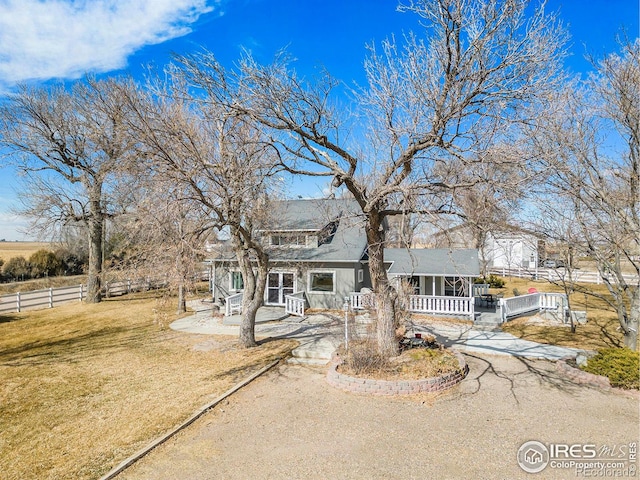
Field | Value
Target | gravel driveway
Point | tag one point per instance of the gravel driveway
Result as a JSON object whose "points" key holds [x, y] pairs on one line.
{"points": [[291, 424]]}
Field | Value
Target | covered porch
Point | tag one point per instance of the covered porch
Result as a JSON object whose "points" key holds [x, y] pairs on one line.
{"points": [[437, 281]]}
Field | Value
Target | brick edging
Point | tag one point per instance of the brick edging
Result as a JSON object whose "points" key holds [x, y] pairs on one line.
{"points": [[580, 376], [396, 387]]}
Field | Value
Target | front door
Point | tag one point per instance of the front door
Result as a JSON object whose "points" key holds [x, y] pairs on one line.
{"points": [[279, 285]]}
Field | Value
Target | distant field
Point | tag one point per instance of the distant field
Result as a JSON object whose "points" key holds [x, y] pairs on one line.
{"points": [[21, 249]]}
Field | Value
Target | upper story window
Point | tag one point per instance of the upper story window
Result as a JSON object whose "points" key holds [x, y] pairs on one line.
{"points": [[289, 239]]}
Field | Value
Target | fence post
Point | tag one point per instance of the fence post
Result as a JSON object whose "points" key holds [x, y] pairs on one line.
{"points": [[345, 306], [18, 302], [81, 292], [50, 297]]}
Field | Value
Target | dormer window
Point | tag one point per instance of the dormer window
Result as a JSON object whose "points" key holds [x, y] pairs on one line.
{"points": [[289, 240]]}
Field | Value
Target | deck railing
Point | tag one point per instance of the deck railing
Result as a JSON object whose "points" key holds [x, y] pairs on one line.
{"points": [[480, 289], [233, 304], [461, 306], [441, 305], [514, 306], [294, 304], [361, 300]]}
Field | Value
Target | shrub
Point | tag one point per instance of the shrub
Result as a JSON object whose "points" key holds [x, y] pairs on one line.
{"points": [[494, 281], [72, 263], [363, 358], [44, 263], [17, 268], [620, 365]]}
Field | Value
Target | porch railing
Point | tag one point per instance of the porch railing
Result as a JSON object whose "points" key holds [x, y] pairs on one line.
{"points": [[422, 304], [480, 289], [233, 304], [441, 305], [514, 306], [361, 300], [294, 304]]}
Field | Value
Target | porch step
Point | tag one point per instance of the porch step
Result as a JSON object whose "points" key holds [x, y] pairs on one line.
{"points": [[317, 351]]}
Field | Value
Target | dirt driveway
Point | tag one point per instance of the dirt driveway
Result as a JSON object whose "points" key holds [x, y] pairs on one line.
{"points": [[291, 424]]}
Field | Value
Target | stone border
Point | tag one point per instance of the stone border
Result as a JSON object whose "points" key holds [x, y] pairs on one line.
{"points": [[580, 376], [396, 387]]}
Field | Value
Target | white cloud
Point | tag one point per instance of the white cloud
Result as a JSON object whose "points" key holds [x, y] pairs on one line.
{"points": [[43, 39]]}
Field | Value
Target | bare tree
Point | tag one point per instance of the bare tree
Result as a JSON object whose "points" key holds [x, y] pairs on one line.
{"points": [[73, 145], [162, 237], [429, 100], [591, 147], [221, 166]]}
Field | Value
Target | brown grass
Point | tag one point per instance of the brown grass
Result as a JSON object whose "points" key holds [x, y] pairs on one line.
{"points": [[84, 386], [600, 331], [9, 250]]}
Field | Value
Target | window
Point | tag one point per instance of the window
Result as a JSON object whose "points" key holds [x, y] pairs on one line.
{"points": [[288, 239], [360, 276], [455, 287], [236, 281], [322, 282], [415, 285]]}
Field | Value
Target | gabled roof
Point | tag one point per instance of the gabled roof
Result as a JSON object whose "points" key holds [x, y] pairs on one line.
{"points": [[309, 214], [432, 261], [346, 244]]}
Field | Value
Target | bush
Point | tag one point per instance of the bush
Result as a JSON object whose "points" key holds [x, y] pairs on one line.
{"points": [[493, 280], [72, 263], [17, 268], [363, 358], [620, 365], [45, 263]]}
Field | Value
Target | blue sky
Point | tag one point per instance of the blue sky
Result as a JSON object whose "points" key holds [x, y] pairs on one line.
{"points": [[42, 40]]}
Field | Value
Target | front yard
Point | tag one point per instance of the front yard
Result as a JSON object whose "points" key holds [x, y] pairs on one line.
{"points": [[84, 386]]}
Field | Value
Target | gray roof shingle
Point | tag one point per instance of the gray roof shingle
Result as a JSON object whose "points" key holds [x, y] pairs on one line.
{"points": [[432, 261]]}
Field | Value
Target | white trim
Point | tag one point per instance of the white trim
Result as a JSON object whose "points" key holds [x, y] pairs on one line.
{"points": [[320, 270], [280, 272]]}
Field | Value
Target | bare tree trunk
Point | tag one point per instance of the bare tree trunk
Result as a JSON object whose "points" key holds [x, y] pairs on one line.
{"points": [[386, 295], [253, 293], [94, 280], [632, 323], [182, 303]]}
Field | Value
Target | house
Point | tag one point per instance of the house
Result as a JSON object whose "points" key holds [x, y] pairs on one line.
{"points": [[318, 256]]}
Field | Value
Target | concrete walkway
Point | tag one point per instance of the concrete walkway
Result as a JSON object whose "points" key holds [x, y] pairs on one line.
{"points": [[321, 334]]}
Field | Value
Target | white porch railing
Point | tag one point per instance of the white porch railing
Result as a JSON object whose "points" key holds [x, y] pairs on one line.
{"points": [[233, 304], [441, 305], [361, 301], [422, 304], [294, 304], [480, 289], [514, 306]]}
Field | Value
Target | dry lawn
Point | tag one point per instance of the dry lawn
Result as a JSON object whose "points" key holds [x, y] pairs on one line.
{"points": [[600, 331], [9, 250], [84, 386]]}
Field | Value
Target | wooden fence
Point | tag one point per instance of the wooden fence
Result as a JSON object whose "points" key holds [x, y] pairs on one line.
{"points": [[52, 297], [557, 275]]}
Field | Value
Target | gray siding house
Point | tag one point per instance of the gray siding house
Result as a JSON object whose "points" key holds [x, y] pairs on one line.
{"points": [[318, 256]]}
